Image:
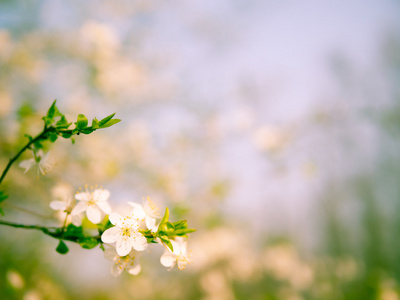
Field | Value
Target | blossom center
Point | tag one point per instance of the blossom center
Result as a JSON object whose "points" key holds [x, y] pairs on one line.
{"points": [[91, 202], [126, 231]]}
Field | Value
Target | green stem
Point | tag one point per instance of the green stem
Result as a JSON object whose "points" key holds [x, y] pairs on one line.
{"points": [[12, 160], [55, 232], [16, 225]]}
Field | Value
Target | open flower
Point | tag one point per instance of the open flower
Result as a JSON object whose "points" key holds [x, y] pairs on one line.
{"points": [[65, 206], [125, 233], [128, 262], [41, 161], [93, 202], [148, 211], [178, 256]]}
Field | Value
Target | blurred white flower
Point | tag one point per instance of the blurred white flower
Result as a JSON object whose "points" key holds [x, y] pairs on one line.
{"points": [[148, 211], [66, 205], [15, 279], [270, 138], [125, 233], [41, 161], [93, 203], [178, 256], [127, 262]]}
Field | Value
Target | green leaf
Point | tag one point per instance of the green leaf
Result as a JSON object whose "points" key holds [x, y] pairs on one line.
{"points": [[48, 121], [38, 145], [166, 228], [73, 231], [180, 224], [3, 196], [110, 123], [29, 137], [1, 211], [88, 242], [63, 123], [87, 130], [167, 242], [72, 140], [166, 216], [53, 137], [81, 122], [66, 135], [52, 113], [62, 248], [106, 119], [95, 124], [184, 231]]}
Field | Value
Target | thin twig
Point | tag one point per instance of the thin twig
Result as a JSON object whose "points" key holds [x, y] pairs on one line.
{"points": [[12, 160]]}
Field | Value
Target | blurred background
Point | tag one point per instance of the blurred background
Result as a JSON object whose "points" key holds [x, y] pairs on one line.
{"points": [[273, 127]]}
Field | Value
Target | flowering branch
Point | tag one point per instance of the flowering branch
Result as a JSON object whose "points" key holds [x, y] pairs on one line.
{"points": [[124, 234]]}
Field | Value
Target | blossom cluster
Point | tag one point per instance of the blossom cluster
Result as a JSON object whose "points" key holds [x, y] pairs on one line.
{"points": [[126, 235]]}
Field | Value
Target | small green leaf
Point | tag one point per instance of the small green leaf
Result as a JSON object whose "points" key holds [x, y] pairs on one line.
{"points": [[72, 140], [73, 231], [110, 123], [81, 122], [106, 119], [95, 124], [184, 231], [166, 216], [48, 121], [88, 242], [62, 248], [38, 145], [29, 137], [1, 211], [66, 135], [87, 130], [53, 111], [53, 136], [3, 196], [167, 242], [180, 224], [63, 123]]}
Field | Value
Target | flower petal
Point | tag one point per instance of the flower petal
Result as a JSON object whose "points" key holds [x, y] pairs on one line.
{"points": [[27, 164], [58, 205], [110, 253], [115, 219], [111, 235], [104, 206], [116, 270], [101, 195], [150, 223], [138, 242], [80, 207], [84, 196], [123, 246], [168, 259], [135, 269], [93, 214], [137, 211], [76, 220]]}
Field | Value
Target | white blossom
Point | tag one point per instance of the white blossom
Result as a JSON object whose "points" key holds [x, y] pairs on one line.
{"points": [[149, 211], [41, 161], [125, 233], [178, 256], [128, 262], [66, 206], [94, 203]]}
